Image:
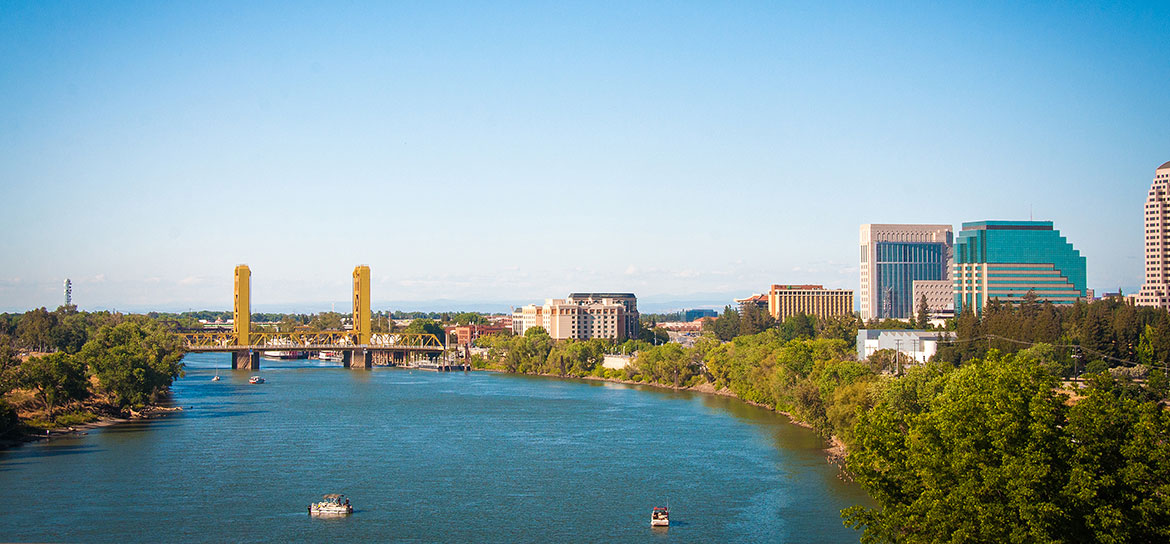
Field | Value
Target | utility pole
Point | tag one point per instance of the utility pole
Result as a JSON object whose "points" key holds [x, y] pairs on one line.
{"points": [[898, 356]]}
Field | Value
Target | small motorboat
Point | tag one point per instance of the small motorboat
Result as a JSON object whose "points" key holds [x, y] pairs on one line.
{"points": [[255, 379], [660, 517], [216, 378], [331, 505]]}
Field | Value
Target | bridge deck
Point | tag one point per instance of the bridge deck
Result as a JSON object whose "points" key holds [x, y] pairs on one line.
{"points": [[316, 347]]}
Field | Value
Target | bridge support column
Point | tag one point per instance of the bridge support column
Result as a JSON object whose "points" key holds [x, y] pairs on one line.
{"points": [[246, 360], [358, 359]]}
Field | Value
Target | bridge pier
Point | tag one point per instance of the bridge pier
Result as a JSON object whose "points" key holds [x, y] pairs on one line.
{"points": [[246, 360], [357, 359]]}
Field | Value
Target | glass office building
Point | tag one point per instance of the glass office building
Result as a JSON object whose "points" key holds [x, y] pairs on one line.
{"points": [[893, 257], [1006, 259]]}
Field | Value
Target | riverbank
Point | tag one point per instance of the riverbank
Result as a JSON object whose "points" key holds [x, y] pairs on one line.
{"points": [[106, 415]]}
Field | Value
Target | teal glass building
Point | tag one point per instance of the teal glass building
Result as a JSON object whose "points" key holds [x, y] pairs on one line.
{"points": [[1006, 259]]}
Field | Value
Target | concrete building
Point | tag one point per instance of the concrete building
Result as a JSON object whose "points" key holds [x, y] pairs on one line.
{"points": [[893, 257], [940, 297], [1156, 290], [466, 334], [787, 300], [1006, 259], [917, 345], [582, 316]]}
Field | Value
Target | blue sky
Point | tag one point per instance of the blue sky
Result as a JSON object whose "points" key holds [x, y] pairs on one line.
{"points": [[505, 153]]}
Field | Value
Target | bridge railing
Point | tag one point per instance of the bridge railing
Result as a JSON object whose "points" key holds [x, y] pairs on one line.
{"points": [[297, 340]]}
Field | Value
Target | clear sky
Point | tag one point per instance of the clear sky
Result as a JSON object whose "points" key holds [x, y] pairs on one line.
{"points": [[510, 152]]}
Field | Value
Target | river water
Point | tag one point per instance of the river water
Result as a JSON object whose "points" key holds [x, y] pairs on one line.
{"points": [[427, 457]]}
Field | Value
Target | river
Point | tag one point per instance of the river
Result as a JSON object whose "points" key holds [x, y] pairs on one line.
{"points": [[427, 457]]}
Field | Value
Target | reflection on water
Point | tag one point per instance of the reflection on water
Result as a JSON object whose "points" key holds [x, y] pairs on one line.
{"points": [[509, 457]]}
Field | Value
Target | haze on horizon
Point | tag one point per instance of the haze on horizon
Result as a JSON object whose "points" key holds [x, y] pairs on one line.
{"points": [[509, 153]]}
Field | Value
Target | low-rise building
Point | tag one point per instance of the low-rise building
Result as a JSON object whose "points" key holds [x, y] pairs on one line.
{"points": [[466, 334], [917, 345], [815, 300]]}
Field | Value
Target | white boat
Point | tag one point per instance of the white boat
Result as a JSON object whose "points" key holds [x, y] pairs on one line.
{"points": [[334, 356], [216, 378], [331, 505], [255, 379], [660, 517]]}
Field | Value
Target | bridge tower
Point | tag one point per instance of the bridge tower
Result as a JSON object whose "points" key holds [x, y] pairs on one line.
{"points": [[360, 357], [242, 320]]}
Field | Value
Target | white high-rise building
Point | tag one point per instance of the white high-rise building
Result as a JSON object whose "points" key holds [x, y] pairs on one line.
{"points": [[893, 257], [1156, 291]]}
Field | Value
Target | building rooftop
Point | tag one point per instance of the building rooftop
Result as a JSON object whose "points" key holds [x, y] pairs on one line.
{"points": [[1164, 166], [1008, 225]]}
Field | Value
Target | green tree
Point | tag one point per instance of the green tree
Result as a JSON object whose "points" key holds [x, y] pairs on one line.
{"points": [[134, 361], [923, 313], [991, 452], [35, 329], [427, 326], [57, 378]]}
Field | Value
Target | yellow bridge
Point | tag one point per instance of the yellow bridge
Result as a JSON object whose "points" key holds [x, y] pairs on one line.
{"points": [[357, 346]]}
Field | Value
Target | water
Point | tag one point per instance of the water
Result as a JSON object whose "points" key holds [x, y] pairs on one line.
{"points": [[427, 457]]}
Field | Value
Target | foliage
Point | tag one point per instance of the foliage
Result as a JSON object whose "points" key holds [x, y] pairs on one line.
{"points": [[990, 452], [134, 361], [57, 378], [427, 326], [9, 421]]}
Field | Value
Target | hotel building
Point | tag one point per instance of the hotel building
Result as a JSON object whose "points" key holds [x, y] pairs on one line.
{"points": [[893, 257], [582, 316], [1006, 259], [1156, 291], [787, 300]]}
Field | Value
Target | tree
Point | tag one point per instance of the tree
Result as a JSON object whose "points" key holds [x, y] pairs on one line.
{"points": [[923, 313], [428, 326], [35, 328], [991, 452], [326, 321], [58, 378], [134, 361]]}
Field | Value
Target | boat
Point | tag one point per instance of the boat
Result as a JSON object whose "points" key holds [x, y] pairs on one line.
{"points": [[334, 356], [255, 379], [331, 505], [660, 517], [216, 378]]}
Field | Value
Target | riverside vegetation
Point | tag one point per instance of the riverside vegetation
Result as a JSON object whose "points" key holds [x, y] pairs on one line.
{"points": [[986, 443], [66, 367]]}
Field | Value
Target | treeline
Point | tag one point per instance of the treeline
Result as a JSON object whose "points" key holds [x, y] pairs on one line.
{"points": [[1088, 337], [59, 359], [808, 373]]}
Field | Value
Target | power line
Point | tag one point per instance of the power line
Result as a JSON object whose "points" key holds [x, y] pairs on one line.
{"points": [[1082, 348]]}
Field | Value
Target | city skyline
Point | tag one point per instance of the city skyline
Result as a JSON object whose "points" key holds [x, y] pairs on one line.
{"points": [[507, 154]]}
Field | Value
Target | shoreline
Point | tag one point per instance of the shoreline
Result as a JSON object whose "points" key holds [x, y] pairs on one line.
{"points": [[148, 412]]}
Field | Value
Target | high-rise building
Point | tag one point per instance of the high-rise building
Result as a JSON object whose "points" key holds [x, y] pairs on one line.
{"points": [[893, 257], [1006, 259], [582, 316], [1156, 291], [789, 300]]}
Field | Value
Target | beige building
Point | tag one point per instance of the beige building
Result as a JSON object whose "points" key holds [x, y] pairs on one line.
{"points": [[582, 316], [893, 257], [787, 300], [1156, 291], [940, 297]]}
